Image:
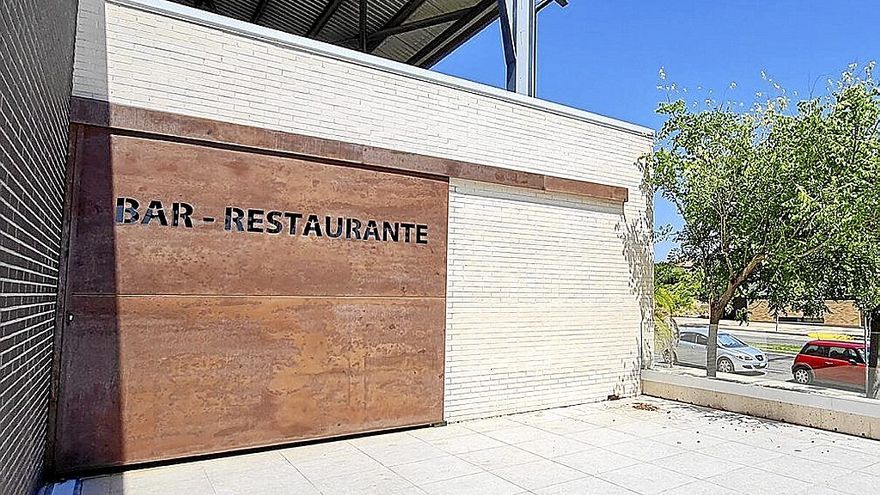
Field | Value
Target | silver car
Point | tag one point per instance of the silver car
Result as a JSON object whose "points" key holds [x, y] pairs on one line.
{"points": [[734, 355]]}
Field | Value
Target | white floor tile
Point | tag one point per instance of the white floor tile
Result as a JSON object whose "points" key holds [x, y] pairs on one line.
{"points": [[566, 426], [441, 432], [604, 448], [872, 469], [856, 483], [475, 484], [538, 417], [329, 466], [602, 437], [584, 486], [393, 455], [697, 464], [385, 440], [381, 481], [262, 480], [756, 481], [517, 434], [644, 449], [802, 469], [315, 451], [606, 418], [740, 453], [490, 424], [700, 488], [538, 474], [240, 463], [551, 446], [688, 439], [644, 429], [646, 479], [499, 457], [839, 456], [466, 443], [437, 469], [594, 461]]}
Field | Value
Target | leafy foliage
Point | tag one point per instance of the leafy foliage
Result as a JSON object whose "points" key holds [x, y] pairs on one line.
{"points": [[779, 202], [676, 290]]}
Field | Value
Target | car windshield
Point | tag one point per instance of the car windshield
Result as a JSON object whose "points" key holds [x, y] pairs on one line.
{"points": [[726, 340]]}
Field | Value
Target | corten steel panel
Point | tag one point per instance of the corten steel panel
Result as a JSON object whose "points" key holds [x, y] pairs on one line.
{"points": [[154, 259], [147, 379], [171, 125], [191, 341]]}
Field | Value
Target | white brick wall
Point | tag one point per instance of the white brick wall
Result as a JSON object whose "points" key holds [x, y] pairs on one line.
{"points": [[539, 309], [552, 320]]}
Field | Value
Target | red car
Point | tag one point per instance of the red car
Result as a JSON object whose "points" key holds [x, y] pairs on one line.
{"points": [[830, 361]]}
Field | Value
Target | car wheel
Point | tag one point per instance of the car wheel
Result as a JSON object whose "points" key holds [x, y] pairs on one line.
{"points": [[669, 357], [725, 365], [803, 375]]}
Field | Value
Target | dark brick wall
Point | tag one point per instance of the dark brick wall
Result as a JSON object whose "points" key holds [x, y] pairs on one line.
{"points": [[36, 57]]}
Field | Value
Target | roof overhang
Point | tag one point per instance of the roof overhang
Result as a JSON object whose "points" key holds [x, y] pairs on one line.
{"points": [[416, 32]]}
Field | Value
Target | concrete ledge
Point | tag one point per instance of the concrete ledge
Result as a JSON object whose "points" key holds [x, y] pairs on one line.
{"points": [[854, 416]]}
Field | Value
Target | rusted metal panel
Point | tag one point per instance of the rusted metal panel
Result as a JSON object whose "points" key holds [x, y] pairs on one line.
{"points": [[207, 259], [580, 188], [148, 378], [192, 340], [103, 114]]}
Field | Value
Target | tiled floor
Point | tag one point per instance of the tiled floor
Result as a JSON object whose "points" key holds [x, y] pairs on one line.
{"points": [[609, 448]]}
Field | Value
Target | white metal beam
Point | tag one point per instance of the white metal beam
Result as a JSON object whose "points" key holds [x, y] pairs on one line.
{"points": [[526, 45], [518, 36]]}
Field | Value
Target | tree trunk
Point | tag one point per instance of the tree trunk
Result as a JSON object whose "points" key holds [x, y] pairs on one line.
{"points": [[712, 343], [872, 387]]}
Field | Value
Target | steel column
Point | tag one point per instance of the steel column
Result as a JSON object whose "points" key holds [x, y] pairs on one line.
{"points": [[362, 26], [506, 9], [518, 36], [526, 45]]}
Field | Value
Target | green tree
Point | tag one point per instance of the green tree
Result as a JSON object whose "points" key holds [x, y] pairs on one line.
{"points": [[776, 200], [675, 294]]}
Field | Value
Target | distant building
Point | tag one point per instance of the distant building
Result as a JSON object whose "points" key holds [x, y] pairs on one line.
{"points": [[839, 314]]}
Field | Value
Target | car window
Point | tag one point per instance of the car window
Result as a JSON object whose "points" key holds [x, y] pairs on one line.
{"points": [[701, 339], [855, 355], [838, 353], [729, 341], [815, 350], [688, 337]]}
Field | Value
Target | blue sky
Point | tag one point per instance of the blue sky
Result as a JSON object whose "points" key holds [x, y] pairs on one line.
{"points": [[604, 55]]}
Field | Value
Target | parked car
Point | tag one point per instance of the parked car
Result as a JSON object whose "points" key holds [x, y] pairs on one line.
{"points": [[830, 361], [734, 355]]}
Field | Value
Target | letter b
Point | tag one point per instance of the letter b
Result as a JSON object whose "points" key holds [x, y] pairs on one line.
{"points": [[126, 210]]}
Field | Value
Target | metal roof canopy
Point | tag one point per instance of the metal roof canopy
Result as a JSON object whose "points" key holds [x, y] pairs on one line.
{"points": [[416, 32]]}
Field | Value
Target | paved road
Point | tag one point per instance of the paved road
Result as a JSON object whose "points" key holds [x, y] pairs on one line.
{"points": [[779, 367], [751, 337]]}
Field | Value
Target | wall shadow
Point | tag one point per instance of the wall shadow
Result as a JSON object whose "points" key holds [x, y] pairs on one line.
{"points": [[636, 235], [86, 419], [89, 423]]}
